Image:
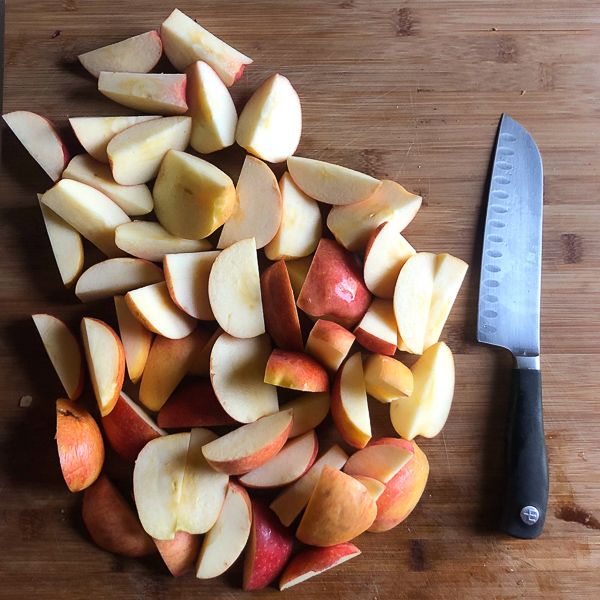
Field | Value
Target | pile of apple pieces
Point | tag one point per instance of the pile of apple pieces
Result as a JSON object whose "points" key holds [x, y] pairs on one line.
{"points": [[194, 482]]}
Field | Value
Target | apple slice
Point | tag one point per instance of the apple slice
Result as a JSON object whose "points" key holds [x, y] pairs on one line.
{"points": [[153, 308], [162, 93], [133, 199], [292, 500], [377, 330], [201, 362], [111, 523], [192, 198], [186, 42], [381, 462], [387, 378], [225, 541], [66, 245], [298, 272], [269, 548], [41, 140], [296, 371], [249, 446], [427, 409], [234, 290], [128, 428], [374, 487], [314, 561], [353, 225], [236, 372], [187, 279], [257, 210], [301, 224], [310, 409], [136, 153], [212, 110], [94, 133], [270, 125], [89, 211], [116, 276], [168, 362], [288, 465], [329, 343], [138, 54], [386, 253], [180, 553], [80, 445], [340, 508], [331, 184], [64, 352]]}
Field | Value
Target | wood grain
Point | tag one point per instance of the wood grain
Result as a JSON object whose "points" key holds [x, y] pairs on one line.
{"points": [[409, 90]]}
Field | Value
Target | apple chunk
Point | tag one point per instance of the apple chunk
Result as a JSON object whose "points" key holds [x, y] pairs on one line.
{"points": [[374, 487], [296, 371], [329, 343], [377, 330], [310, 409], [381, 462], [180, 553], [387, 378]]}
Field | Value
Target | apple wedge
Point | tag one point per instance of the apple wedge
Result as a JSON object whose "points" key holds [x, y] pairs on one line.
{"points": [[296, 371], [64, 352], [192, 198], [153, 308], [180, 553], [329, 183], [89, 211], [329, 343], [310, 409], [298, 272], [387, 378], [249, 446], [270, 124], [162, 93], [186, 42], [353, 225], [426, 410], [225, 541], [236, 372], [381, 462], [116, 276], [234, 290], [41, 140], [374, 487], [80, 445], [187, 279], [106, 362], [133, 199], [349, 407], [213, 113], [138, 54], [377, 330], [200, 366], [136, 153]]}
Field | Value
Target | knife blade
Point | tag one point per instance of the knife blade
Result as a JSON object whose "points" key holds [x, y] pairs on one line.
{"points": [[509, 317]]}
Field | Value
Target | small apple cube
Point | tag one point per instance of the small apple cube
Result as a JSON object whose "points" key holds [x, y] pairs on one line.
{"points": [[377, 330], [296, 371], [387, 378], [329, 343]]}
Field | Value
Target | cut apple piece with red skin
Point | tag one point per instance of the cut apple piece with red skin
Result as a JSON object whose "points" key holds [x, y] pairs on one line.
{"points": [[80, 445], [314, 561], [200, 366], [310, 409], [41, 140], [377, 330], [64, 352], [296, 371], [387, 378], [374, 487], [269, 548], [111, 522], [180, 553], [381, 462], [329, 343]]}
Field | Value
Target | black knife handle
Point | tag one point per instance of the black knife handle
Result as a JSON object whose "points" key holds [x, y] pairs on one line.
{"points": [[526, 463]]}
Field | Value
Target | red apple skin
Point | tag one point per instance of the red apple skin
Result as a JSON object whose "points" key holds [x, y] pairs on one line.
{"points": [[334, 285], [126, 432], [111, 523], [180, 553], [404, 490], [296, 371], [373, 343], [279, 307], [80, 445], [268, 550], [194, 406]]}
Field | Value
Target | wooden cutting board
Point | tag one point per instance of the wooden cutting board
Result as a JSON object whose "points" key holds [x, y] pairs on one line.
{"points": [[406, 90]]}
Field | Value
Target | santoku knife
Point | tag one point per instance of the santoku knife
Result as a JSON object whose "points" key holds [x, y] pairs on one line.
{"points": [[509, 316]]}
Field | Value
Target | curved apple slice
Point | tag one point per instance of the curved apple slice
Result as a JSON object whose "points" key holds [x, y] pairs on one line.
{"points": [[310, 409], [180, 553], [381, 462], [296, 371], [377, 330], [329, 343], [374, 487]]}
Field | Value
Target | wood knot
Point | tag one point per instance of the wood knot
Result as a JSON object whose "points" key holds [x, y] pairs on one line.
{"points": [[571, 248], [370, 161], [417, 555], [70, 5], [405, 23], [507, 51], [346, 4]]}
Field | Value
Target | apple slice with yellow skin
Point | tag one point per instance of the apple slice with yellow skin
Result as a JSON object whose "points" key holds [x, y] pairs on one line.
{"points": [[387, 378], [135, 154], [310, 409], [80, 445], [180, 553], [138, 54], [298, 271], [353, 225], [249, 446], [186, 42], [200, 366], [133, 199], [381, 462], [329, 343], [291, 501], [340, 508], [377, 330], [386, 253], [329, 183], [64, 352], [296, 371], [153, 308], [426, 410], [213, 113], [374, 487], [192, 198], [270, 124], [93, 214]]}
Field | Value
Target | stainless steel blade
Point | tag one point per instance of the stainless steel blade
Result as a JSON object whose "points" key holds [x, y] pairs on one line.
{"points": [[509, 290]]}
